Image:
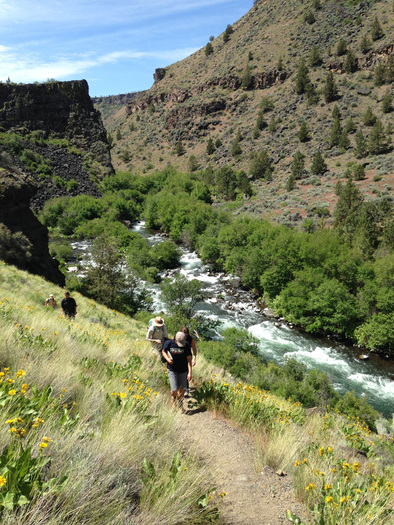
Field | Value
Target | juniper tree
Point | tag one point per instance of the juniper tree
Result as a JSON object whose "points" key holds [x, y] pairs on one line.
{"points": [[376, 30], [301, 78], [297, 166], [369, 118], [315, 58], [341, 47], [279, 65], [260, 123], [192, 164], [236, 149], [312, 96], [118, 134], [316, 5], [387, 102], [389, 70], [344, 142], [377, 141], [261, 166], [350, 126], [247, 78], [226, 35], [358, 172], [210, 147], [351, 62], [336, 132], [303, 133], [243, 184], [365, 44], [208, 49], [180, 148], [290, 183], [272, 126], [310, 18], [380, 74], [319, 165], [330, 89], [336, 112], [360, 150]]}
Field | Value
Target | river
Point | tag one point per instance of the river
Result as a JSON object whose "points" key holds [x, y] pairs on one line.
{"points": [[234, 307]]}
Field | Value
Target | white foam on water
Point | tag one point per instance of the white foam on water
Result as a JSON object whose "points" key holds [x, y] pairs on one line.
{"points": [[267, 333]]}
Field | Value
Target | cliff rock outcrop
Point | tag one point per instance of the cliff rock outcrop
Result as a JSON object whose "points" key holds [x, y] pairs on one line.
{"points": [[23, 239]]}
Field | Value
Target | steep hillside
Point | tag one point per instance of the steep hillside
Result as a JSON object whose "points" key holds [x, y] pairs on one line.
{"points": [[88, 434], [242, 93]]}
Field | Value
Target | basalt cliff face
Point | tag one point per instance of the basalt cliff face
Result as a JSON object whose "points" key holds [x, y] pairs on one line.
{"points": [[23, 239], [52, 143], [58, 126]]}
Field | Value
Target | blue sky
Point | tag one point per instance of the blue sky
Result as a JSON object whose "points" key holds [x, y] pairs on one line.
{"points": [[114, 44]]}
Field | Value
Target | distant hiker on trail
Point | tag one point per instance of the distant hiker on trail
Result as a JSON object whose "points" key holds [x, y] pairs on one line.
{"points": [[177, 352], [157, 334], [69, 306], [51, 301], [190, 339]]}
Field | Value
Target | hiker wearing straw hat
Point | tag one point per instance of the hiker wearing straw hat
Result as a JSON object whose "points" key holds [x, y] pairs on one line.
{"points": [[157, 334], [51, 301]]}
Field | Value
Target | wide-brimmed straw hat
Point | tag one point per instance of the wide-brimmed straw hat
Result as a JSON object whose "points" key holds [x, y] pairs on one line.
{"points": [[158, 321]]}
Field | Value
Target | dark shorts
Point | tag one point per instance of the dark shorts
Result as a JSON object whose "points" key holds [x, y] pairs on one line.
{"points": [[177, 380]]}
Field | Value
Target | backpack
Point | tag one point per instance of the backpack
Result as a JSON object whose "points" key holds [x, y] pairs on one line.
{"points": [[150, 324]]}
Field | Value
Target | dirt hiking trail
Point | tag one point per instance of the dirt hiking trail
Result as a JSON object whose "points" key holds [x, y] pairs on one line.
{"points": [[253, 497]]}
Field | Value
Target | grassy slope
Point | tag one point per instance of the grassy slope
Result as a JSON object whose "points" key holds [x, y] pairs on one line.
{"points": [[101, 434], [268, 31]]}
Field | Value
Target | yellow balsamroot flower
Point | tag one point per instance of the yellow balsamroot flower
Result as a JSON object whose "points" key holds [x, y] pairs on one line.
{"points": [[43, 445], [12, 392], [3, 481], [329, 499], [122, 394], [311, 486], [297, 463], [356, 467], [20, 373], [327, 486]]}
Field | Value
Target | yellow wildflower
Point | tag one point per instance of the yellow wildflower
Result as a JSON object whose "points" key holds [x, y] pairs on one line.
{"points": [[3, 481], [329, 499], [43, 445], [20, 373], [12, 392]]}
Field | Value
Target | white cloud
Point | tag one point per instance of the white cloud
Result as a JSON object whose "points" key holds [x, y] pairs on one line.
{"points": [[31, 69]]}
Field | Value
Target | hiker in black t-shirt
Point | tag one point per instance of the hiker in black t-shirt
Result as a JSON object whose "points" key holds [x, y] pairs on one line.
{"points": [[69, 306], [178, 354]]}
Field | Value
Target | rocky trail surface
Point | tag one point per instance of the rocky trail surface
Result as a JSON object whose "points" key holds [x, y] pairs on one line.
{"points": [[254, 496]]}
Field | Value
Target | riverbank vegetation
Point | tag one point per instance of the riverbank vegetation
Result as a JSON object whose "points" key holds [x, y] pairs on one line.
{"points": [[82, 400], [323, 280]]}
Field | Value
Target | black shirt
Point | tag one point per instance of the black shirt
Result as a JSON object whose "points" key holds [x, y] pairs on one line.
{"points": [[179, 356], [69, 305]]}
